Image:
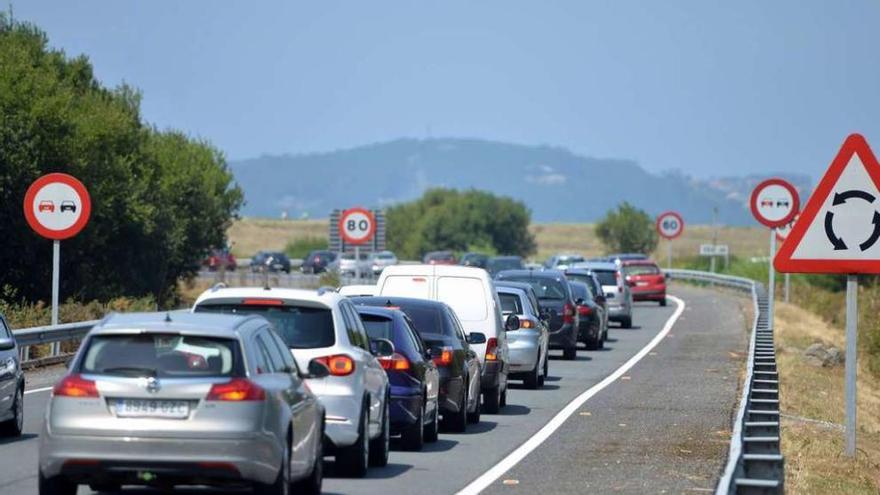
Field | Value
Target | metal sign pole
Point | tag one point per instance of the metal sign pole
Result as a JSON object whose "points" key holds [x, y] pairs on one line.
{"points": [[357, 261], [852, 320], [669, 253], [56, 275], [787, 285], [771, 290]]}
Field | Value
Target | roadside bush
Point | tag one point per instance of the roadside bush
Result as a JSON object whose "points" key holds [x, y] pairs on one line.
{"points": [[299, 248], [627, 230]]}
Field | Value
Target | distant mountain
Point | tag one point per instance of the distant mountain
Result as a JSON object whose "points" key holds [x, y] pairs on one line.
{"points": [[556, 184]]}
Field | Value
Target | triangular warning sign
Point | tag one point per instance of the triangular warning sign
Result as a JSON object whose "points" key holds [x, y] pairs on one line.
{"points": [[838, 230]]}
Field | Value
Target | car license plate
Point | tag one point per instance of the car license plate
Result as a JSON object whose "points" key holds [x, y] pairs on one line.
{"points": [[149, 408], [641, 284]]}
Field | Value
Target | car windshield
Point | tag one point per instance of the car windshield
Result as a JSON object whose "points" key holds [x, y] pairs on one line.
{"points": [[505, 264], [545, 288], [301, 327], [385, 256], [567, 260], [579, 291], [510, 304], [606, 277], [586, 280], [635, 270], [161, 356]]}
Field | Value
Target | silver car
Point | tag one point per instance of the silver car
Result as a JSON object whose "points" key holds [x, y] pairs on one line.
{"points": [[381, 259], [617, 293], [164, 400], [323, 325], [528, 344]]}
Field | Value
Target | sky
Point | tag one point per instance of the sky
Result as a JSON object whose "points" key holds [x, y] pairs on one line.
{"points": [[709, 88]]}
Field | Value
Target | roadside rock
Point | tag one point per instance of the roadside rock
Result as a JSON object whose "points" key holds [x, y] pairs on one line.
{"points": [[822, 356]]}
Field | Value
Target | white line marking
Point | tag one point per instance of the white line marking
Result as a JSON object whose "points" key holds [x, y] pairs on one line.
{"points": [[37, 390], [512, 459]]}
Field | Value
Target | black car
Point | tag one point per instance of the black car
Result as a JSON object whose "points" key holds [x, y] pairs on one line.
{"points": [[413, 376], [592, 281], [501, 263], [554, 295], [272, 261], [317, 261], [478, 260], [11, 384], [450, 350], [590, 329]]}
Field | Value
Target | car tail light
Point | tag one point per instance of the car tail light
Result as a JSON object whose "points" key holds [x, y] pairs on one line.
{"points": [[339, 364], [395, 362], [445, 357], [236, 390], [75, 386], [524, 323], [568, 313], [492, 349], [585, 310]]}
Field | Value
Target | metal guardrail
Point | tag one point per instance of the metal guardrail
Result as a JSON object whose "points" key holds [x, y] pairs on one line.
{"points": [[754, 464]]}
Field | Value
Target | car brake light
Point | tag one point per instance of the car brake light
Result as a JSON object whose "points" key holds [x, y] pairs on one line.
{"points": [[236, 390], [568, 313], [492, 349], [339, 364], [585, 310], [445, 357], [395, 362], [75, 386], [263, 302]]}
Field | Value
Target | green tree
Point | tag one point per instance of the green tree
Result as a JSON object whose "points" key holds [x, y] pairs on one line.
{"points": [[160, 200], [459, 220], [627, 230]]}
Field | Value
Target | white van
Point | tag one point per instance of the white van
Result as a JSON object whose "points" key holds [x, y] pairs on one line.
{"points": [[471, 294]]}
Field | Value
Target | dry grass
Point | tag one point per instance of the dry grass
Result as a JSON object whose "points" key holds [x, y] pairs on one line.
{"points": [[814, 459], [250, 235]]}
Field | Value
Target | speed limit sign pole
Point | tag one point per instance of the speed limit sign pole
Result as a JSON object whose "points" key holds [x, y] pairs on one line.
{"points": [[57, 206], [774, 203], [357, 226], [669, 226]]}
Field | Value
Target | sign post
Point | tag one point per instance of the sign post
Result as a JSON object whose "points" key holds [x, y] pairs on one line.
{"points": [[670, 225], [781, 235], [774, 203], [837, 232], [57, 206], [357, 226]]}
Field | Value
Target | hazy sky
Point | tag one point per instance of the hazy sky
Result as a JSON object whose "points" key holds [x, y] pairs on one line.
{"points": [[708, 87]]}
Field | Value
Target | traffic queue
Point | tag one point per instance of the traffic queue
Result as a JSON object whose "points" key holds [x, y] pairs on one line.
{"points": [[256, 386]]}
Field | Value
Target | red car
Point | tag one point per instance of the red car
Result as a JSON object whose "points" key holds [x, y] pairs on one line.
{"points": [[647, 282], [219, 258], [46, 205]]}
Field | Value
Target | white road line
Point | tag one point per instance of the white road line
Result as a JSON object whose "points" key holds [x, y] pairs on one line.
{"points": [[37, 390], [544, 433]]}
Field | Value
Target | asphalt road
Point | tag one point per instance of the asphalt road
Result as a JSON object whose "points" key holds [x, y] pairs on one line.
{"points": [[661, 426]]}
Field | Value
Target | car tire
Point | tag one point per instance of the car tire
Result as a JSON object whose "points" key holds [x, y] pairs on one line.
{"points": [[354, 458], [312, 484], [503, 401], [592, 343], [381, 445], [457, 422], [532, 381], [626, 322], [281, 485], [55, 485], [432, 429], [473, 417], [546, 370], [492, 400], [569, 354], [413, 438], [663, 302], [14, 426]]}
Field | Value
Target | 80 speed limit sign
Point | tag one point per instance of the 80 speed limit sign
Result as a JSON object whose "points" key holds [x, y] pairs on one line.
{"points": [[357, 226]]}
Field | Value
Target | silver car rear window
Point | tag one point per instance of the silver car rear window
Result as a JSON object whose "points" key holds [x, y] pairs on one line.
{"points": [[301, 327], [161, 355], [606, 277]]}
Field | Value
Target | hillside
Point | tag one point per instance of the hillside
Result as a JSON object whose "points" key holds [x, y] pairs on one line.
{"points": [[556, 184]]}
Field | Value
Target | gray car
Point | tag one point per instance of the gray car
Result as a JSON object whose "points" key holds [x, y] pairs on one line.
{"points": [[528, 345], [163, 400], [617, 292], [11, 384]]}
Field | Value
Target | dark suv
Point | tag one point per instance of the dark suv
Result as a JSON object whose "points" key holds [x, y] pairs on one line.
{"points": [[318, 261], [558, 303]]}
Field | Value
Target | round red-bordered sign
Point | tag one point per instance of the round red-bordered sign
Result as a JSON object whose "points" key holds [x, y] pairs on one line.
{"points": [[669, 225], [774, 202], [57, 206], [357, 225]]}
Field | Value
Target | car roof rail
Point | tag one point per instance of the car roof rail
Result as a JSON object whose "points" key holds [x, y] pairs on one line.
{"points": [[325, 289], [218, 286]]}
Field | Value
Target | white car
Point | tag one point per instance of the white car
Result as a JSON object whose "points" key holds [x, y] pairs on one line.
{"points": [[357, 290], [470, 292], [380, 260], [324, 326]]}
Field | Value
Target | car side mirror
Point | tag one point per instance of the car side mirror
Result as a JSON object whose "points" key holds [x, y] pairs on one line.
{"points": [[476, 338], [7, 344], [512, 323], [382, 347], [317, 369]]}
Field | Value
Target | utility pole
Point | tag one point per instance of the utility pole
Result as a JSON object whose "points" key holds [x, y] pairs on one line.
{"points": [[714, 237]]}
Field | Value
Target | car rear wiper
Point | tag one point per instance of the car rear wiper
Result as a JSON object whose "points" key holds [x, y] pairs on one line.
{"points": [[130, 370]]}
